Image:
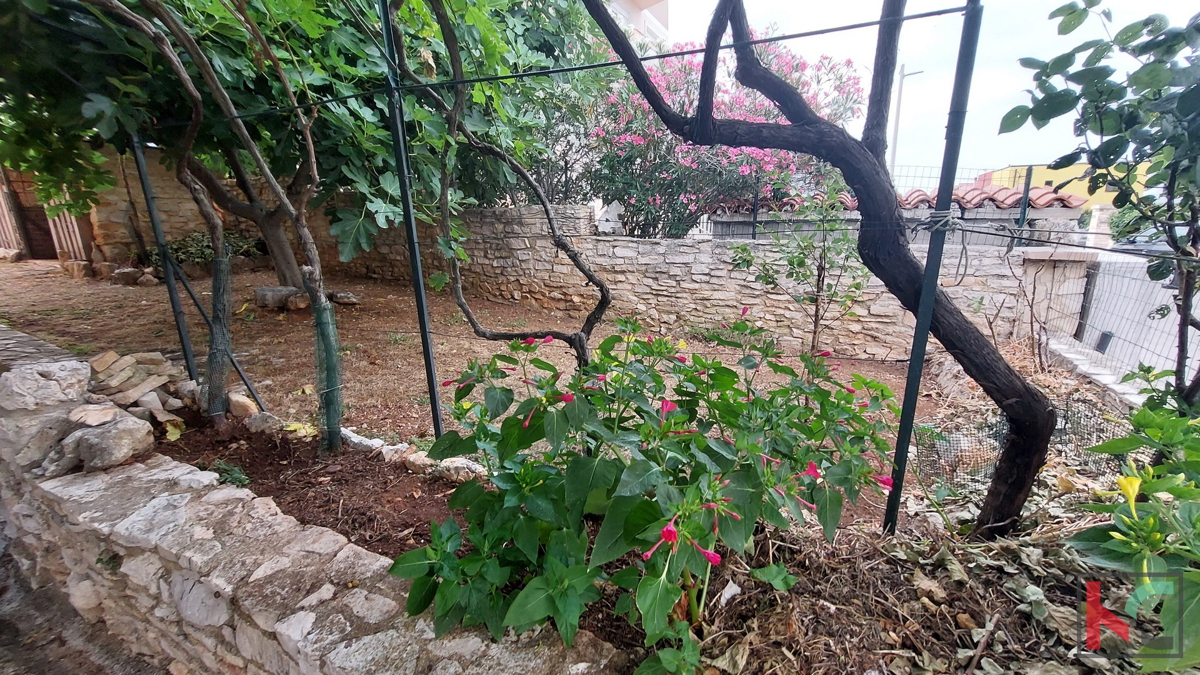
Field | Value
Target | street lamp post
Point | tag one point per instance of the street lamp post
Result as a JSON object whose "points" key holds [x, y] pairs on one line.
{"points": [[896, 117]]}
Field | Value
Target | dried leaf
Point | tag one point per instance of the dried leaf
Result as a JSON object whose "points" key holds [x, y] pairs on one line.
{"points": [[947, 560], [734, 659], [927, 587]]}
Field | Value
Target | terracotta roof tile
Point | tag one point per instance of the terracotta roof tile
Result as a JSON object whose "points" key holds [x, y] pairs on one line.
{"points": [[966, 195]]}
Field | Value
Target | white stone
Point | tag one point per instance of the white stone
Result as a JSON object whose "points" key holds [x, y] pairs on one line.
{"points": [[85, 597], [93, 415], [258, 648], [264, 422], [459, 469], [320, 540], [150, 401], [322, 594], [271, 566], [419, 462], [241, 405], [361, 443], [106, 445], [33, 386], [197, 601], [143, 570], [369, 607], [162, 516], [386, 653], [395, 453]]}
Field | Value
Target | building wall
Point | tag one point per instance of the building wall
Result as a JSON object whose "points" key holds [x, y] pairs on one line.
{"points": [[1014, 177]]}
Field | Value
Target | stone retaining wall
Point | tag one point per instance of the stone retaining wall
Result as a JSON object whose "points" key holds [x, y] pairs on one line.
{"points": [[204, 578], [688, 285]]}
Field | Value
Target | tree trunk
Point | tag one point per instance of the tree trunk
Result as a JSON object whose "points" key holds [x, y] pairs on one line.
{"points": [[280, 249]]}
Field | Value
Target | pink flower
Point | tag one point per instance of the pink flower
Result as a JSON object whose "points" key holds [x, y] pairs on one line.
{"points": [[647, 554], [824, 353], [852, 390], [885, 482], [447, 383], [548, 339], [864, 404], [808, 504], [525, 424], [668, 407], [669, 533], [528, 341], [601, 378], [680, 359], [566, 398], [710, 556], [745, 310], [767, 458], [812, 470]]}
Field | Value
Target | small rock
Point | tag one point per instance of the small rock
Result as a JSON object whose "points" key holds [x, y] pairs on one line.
{"points": [[95, 399], [188, 390], [115, 368], [395, 453], [150, 401], [144, 387], [419, 462], [101, 447], [141, 413], [172, 403], [31, 386], [343, 297], [298, 301], [77, 269], [240, 405], [163, 417], [150, 358], [10, 255], [104, 270], [127, 276], [966, 622], [264, 423], [101, 362], [459, 469], [93, 415], [147, 280], [361, 443]]}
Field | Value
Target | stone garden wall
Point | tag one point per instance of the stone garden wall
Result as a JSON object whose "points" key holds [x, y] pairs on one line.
{"points": [[685, 285], [198, 577]]}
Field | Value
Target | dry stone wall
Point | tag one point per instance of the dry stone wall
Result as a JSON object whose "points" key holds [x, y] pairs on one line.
{"points": [[199, 577], [686, 285]]}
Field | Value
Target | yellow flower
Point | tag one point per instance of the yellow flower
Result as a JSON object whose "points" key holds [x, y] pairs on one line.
{"points": [[681, 345], [1130, 485]]}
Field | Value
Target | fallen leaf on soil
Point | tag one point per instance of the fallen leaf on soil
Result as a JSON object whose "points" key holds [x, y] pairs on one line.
{"points": [[927, 587]]}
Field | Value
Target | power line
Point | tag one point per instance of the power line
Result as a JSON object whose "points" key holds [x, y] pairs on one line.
{"points": [[546, 72]]}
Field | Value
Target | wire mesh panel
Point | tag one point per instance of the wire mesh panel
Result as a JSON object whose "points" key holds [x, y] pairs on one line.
{"points": [[965, 455]]}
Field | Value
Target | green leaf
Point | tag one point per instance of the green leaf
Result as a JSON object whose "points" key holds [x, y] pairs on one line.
{"points": [[411, 565], [420, 595], [1118, 446], [497, 400], [1189, 101], [1014, 119], [585, 474], [1109, 152], [1092, 74], [1065, 10], [1066, 160], [466, 494], [610, 540], [1129, 33], [1072, 21], [638, 477], [534, 603], [525, 536], [1150, 77], [1180, 614], [1054, 105], [655, 598], [556, 426], [451, 444], [829, 509], [1031, 63], [776, 575]]}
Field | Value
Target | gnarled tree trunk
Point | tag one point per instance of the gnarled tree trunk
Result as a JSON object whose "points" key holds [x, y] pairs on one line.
{"points": [[883, 244]]}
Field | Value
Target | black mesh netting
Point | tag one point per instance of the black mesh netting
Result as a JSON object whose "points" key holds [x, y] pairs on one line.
{"points": [[964, 454]]}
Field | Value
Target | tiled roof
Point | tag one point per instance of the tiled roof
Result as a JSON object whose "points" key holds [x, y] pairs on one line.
{"points": [[966, 196]]}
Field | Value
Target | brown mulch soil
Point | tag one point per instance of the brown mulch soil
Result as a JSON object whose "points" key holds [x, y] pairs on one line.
{"points": [[378, 505]]}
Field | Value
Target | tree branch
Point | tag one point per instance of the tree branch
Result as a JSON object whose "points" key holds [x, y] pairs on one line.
{"points": [[882, 77], [702, 130], [752, 73]]}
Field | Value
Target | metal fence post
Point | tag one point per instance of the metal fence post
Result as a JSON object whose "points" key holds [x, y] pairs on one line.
{"points": [[164, 256], [933, 261], [400, 147]]}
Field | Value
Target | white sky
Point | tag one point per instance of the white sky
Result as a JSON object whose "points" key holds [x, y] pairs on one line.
{"points": [[1011, 29]]}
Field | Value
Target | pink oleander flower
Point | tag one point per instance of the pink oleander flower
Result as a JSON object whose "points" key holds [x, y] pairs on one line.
{"points": [[745, 310], [863, 404], [566, 398], [824, 353], [885, 482], [812, 471], [851, 390], [525, 424], [681, 359], [528, 341], [601, 378], [711, 556], [447, 383], [804, 503], [767, 458], [548, 339]]}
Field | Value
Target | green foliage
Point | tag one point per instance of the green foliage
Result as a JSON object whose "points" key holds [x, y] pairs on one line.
{"points": [[674, 457], [196, 248], [821, 270], [230, 473], [72, 78], [1156, 527], [776, 575]]}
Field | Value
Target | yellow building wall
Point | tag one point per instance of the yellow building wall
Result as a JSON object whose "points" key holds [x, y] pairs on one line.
{"points": [[1014, 177]]}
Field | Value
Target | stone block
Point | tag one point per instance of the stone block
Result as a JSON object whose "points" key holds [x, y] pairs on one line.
{"points": [[28, 387], [127, 276]]}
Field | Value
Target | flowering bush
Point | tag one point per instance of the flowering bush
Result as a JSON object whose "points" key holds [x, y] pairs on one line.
{"points": [[665, 184], [1155, 529], [677, 459]]}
